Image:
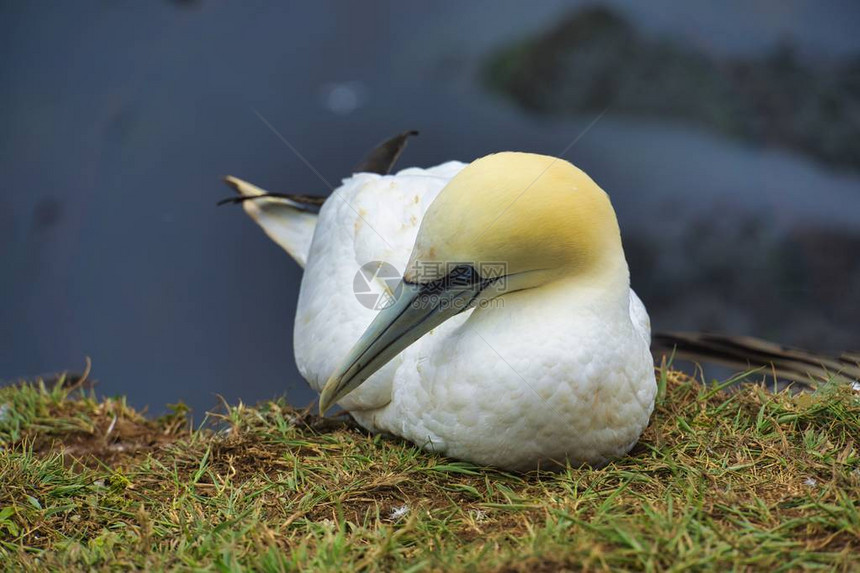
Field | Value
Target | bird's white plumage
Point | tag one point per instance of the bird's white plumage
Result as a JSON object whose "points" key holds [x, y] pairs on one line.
{"points": [[552, 373], [368, 218]]}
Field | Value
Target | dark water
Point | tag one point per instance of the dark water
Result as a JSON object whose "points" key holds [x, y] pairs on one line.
{"points": [[117, 120]]}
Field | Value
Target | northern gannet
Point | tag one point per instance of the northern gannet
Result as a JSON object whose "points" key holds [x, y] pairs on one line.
{"points": [[541, 363]]}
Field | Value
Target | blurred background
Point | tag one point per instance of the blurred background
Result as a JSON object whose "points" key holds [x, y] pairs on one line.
{"points": [[727, 134]]}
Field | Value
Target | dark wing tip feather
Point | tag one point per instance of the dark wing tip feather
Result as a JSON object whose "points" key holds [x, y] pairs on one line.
{"points": [[294, 200], [383, 157], [742, 352]]}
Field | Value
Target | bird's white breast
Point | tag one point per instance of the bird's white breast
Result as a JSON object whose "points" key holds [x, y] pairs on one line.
{"points": [[535, 379]]}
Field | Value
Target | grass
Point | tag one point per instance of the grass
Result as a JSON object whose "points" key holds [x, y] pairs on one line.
{"points": [[745, 479]]}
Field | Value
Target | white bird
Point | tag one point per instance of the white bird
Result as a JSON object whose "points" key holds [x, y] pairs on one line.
{"points": [[514, 339]]}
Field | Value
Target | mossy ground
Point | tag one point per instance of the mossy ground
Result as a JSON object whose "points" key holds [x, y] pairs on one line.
{"points": [[745, 479]]}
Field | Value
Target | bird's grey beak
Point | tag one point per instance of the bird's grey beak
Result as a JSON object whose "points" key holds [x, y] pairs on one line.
{"points": [[417, 309]]}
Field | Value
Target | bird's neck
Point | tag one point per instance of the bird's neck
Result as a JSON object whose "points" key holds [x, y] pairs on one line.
{"points": [[606, 287], [603, 289]]}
